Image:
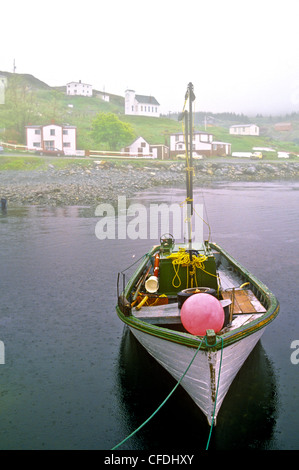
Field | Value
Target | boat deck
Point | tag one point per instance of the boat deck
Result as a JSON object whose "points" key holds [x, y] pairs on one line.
{"points": [[246, 308], [243, 301]]}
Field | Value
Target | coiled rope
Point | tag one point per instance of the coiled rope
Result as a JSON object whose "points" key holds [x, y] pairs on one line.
{"points": [[173, 390], [182, 258]]}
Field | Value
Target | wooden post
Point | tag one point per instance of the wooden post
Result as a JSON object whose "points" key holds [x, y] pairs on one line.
{"points": [[211, 337], [232, 306]]}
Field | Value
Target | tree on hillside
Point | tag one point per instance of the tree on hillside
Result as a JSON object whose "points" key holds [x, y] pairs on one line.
{"points": [[109, 129]]}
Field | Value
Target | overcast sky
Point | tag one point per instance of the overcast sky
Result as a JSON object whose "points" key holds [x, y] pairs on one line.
{"points": [[242, 56]]}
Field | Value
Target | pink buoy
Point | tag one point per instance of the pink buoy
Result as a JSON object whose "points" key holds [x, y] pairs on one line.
{"points": [[201, 312]]}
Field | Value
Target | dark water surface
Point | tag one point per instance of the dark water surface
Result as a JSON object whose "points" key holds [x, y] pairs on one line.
{"points": [[75, 378]]}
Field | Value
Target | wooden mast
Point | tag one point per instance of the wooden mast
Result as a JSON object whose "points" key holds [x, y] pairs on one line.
{"points": [[189, 163]]}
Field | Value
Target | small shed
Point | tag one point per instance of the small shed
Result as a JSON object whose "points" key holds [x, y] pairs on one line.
{"points": [[160, 151], [221, 149]]}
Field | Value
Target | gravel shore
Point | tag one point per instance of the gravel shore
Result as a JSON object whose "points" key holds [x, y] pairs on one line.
{"points": [[104, 181]]}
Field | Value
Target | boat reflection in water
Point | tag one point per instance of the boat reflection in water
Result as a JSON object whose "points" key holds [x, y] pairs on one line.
{"points": [[246, 420]]}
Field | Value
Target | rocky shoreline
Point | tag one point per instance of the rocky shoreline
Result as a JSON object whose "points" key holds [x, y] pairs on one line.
{"points": [[103, 180]]}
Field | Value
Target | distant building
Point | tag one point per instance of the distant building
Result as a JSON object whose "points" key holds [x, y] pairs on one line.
{"points": [[202, 144], [103, 96], [221, 149], [160, 151], [141, 105], [78, 89], [244, 129], [140, 147], [51, 136], [283, 126]]}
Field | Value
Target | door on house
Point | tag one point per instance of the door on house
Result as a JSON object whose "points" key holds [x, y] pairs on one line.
{"points": [[49, 144]]}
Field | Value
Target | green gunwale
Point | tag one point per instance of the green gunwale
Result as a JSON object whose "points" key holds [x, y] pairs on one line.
{"points": [[186, 339]]}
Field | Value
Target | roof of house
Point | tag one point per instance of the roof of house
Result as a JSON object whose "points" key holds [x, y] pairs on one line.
{"points": [[136, 140], [46, 125], [78, 83], [194, 133], [146, 99], [244, 125]]}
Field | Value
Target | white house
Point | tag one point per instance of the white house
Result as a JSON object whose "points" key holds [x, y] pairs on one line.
{"points": [[141, 105], [244, 129], [201, 145], [140, 147], [52, 136], [79, 89]]}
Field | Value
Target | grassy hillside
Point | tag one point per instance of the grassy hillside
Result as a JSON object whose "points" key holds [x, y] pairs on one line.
{"points": [[153, 130], [246, 143], [51, 104]]}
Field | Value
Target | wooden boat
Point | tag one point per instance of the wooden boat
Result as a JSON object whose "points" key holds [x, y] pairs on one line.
{"points": [[153, 300]]}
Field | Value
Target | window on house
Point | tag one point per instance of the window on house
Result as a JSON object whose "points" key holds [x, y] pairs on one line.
{"points": [[36, 144], [66, 144], [37, 131], [141, 108], [143, 144], [52, 131], [65, 132]]}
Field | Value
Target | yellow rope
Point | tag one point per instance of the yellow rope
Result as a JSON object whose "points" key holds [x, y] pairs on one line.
{"points": [[182, 258]]}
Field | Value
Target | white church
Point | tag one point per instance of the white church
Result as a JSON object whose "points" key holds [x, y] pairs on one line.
{"points": [[141, 105]]}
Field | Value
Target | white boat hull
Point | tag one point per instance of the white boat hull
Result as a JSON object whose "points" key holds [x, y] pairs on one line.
{"points": [[201, 380]]}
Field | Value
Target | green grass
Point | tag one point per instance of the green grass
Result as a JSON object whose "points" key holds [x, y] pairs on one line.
{"points": [[246, 143], [23, 163], [153, 130]]}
